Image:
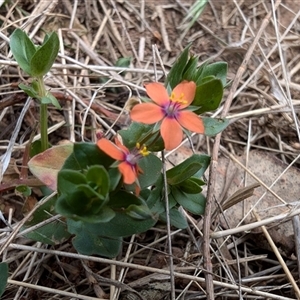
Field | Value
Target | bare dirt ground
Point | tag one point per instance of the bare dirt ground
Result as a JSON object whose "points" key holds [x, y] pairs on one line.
{"points": [[247, 259]]}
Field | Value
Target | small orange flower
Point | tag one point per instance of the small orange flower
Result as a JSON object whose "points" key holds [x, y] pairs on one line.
{"points": [[170, 110], [128, 159]]}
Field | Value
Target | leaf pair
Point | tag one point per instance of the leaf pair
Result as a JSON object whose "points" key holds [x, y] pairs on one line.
{"points": [[185, 183], [209, 78], [35, 60]]}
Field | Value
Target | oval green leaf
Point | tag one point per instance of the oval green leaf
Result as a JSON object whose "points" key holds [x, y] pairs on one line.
{"points": [[22, 49], [89, 241], [175, 75], [85, 155], [52, 233], [46, 165], [208, 96], [29, 90], [191, 186], [43, 59], [177, 219], [214, 126], [97, 176], [184, 170], [194, 203], [218, 70]]}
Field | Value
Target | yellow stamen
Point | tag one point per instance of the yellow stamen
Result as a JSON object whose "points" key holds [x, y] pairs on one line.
{"points": [[142, 151], [180, 99]]}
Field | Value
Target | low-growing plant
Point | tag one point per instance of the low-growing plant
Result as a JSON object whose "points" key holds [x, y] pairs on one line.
{"points": [[112, 189], [36, 61], [109, 190]]}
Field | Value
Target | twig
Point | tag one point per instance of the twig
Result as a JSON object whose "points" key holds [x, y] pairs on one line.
{"points": [[296, 226], [50, 290], [248, 227], [172, 278], [164, 32], [214, 161], [279, 257], [251, 291], [25, 219]]}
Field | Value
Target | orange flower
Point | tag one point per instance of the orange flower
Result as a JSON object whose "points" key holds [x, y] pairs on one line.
{"points": [[128, 159], [170, 110]]}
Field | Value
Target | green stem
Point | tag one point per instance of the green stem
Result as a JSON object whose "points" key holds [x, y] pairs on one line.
{"points": [[44, 127], [43, 115]]}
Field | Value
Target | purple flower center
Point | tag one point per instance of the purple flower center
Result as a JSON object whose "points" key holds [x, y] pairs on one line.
{"points": [[136, 154], [171, 109], [132, 158]]}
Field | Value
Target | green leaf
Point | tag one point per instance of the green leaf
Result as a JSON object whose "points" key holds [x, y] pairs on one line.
{"points": [[53, 233], [139, 212], [42, 61], [24, 190], [137, 132], [82, 204], [205, 79], [154, 199], [184, 170], [45, 100], [3, 277], [96, 200], [53, 100], [151, 167], [208, 96], [22, 49], [175, 75], [115, 179], [190, 69], [191, 185], [177, 219], [205, 161], [194, 12], [98, 177], [194, 203], [46, 165], [87, 154], [29, 90], [124, 225], [120, 226], [218, 70], [123, 62], [78, 208], [122, 199], [35, 148], [46, 37], [89, 241], [68, 180], [84, 197], [214, 126]]}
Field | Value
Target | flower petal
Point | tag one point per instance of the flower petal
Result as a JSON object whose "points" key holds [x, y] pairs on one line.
{"points": [[120, 145], [157, 92], [147, 113], [190, 121], [188, 90], [111, 149], [128, 171], [171, 133]]}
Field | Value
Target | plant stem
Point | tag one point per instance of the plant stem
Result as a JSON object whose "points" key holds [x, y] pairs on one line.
{"points": [[43, 115], [44, 127]]}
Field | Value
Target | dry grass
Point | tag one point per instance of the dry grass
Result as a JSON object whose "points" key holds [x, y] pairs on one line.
{"points": [[262, 102]]}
